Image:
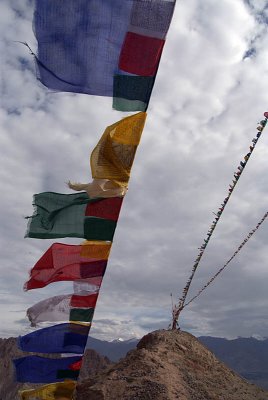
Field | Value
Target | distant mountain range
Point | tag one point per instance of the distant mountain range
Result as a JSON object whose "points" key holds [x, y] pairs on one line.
{"points": [[113, 350], [246, 356]]}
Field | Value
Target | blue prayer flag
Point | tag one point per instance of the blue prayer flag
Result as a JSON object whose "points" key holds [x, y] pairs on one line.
{"points": [[82, 44], [37, 369], [62, 338], [79, 43]]}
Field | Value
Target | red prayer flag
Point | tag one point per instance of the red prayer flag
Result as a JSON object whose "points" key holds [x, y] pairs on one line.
{"points": [[76, 366], [140, 54], [105, 208], [84, 301]]}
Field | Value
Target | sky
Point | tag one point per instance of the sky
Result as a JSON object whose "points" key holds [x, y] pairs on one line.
{"points": [[209, 95]]}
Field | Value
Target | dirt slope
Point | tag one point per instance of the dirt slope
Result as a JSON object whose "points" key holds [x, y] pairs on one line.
{"points": [[169, 365]]}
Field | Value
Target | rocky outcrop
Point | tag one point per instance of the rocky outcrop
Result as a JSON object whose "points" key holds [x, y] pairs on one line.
{"points": [[8, 387], [169, 365]]}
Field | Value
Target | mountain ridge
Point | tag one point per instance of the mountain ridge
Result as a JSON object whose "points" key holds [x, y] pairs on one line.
{"points": [[169, 365], [246, 356]]}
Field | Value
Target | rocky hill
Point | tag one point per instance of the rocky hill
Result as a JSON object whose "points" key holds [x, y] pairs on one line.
{"points": [[169, 365], [248, 357]]}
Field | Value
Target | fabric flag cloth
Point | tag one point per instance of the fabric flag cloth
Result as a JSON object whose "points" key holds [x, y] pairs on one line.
{"points": [[84, 286], [37, 369], [140, 54], [58, 308], [114, 154], [99, 188], [79, 43], [62, 338], [53, 391], [132, 92], [73, 215], [63, 262], [112, 158], [81, 47]]}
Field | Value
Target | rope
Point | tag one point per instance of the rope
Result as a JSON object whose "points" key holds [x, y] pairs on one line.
{"points": [[177, 309], [230, 259]]}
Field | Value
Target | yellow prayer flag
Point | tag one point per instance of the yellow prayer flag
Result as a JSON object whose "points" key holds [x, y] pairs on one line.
{"points": [[113, 156], [94, 249], [53, 391]]}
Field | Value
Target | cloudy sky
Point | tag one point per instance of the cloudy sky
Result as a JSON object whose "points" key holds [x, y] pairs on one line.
{"points": [[210, 93]]}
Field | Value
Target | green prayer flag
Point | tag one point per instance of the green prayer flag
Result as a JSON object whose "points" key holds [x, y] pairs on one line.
{"points": [[67, 374], [65, 215], [99, 228], [81, 314], [121, 104]]}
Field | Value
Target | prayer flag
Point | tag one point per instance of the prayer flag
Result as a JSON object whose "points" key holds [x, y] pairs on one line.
{"points": [[53, 391], [113, 156], [52, 309], [81, 314], [99, 188], [132, 92], [83, 287], [140, 54], [58, 308], [62, 338], [45, 272], [79, 43], [37, 369], [82, 46], [66, 215]]}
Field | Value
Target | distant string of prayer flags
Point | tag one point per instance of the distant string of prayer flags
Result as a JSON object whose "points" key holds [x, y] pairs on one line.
{"points": [[237, 174], [105, 48], [230, 259]]}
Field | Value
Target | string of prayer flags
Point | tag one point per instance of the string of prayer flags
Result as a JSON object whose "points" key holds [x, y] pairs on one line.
{"points": [[251, 233], [177, 309], [36, 369], [53, 391], [105, 48], [81, 47], [58, 308], [73, 215], [62, 338]]}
